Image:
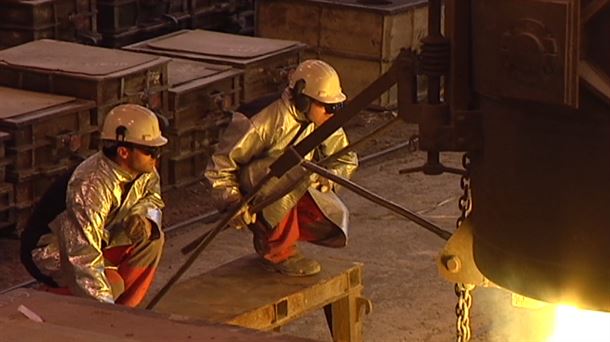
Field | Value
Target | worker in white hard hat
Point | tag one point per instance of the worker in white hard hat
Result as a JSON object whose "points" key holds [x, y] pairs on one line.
{"points": [[106, 242], [311, 211]]}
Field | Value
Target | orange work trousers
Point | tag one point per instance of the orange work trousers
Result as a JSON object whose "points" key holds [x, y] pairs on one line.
{"points": [[304, 222], [133, 272]]}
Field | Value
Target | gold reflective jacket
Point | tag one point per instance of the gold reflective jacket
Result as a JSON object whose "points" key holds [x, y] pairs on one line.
{"points": [[249, 146], [96, 204]]}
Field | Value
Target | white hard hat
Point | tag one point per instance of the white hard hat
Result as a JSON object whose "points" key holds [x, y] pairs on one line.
{"points": [[134, 124], [321, 81]]}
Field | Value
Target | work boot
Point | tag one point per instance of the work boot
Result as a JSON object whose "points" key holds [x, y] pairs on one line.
{"points": [[295, 266]]}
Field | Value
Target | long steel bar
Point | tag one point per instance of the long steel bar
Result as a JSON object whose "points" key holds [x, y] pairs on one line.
{"points": [[289, 159], [208, 237], [443, 234], [279, 193]]}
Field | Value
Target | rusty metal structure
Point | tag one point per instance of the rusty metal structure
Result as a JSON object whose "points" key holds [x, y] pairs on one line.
{"points": [[534, 77], [523, 88]]}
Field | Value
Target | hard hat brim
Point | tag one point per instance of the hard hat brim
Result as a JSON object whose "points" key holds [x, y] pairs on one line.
{"points": [[160, 141], [331, 100]]}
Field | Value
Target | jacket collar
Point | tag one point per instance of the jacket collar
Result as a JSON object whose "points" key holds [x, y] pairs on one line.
{"points": [[121, 174], [287, 101]]}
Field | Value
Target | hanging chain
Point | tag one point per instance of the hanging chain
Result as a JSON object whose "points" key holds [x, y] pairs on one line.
{"points": [[462, 291], [462, 311], [464, 203]]}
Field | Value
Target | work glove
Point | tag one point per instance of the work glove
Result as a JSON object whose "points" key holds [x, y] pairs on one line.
{"points": [[320, 183], [224, 198], [137, 227], [243, 218], [228, 198]]}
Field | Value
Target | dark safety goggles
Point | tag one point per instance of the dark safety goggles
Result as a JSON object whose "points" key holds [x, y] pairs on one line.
{"points": [[152, 151], [331, 108]]}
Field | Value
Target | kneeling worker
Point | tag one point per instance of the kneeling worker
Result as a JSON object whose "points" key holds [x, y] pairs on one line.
{"points": [[311, 211], [106, 242]]}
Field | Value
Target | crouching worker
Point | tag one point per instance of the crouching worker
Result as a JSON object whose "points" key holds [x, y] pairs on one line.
{"points": [[106, 241], [311, 211]]}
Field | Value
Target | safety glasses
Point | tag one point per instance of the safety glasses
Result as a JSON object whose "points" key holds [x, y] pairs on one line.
{"points": [[332, 108], [154, 152]]}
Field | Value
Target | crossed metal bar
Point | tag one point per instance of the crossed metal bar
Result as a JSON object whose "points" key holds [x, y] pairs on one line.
{"points": [[401, 71]]}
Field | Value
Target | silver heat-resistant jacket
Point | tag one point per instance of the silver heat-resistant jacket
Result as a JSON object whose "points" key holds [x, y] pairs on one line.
{"points": [[249, 146], [99, 196]]}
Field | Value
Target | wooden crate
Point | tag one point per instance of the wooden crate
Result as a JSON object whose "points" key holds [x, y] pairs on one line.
{"points": [[7, 206], [265, 62], [29, 190], [146, 30], [108, 77], [46, 131], [4, 160], [198, 90], [216, 15], [124, 22], [115, 16], [350, 35], [27, 20], [182, 170], [200, 97]]}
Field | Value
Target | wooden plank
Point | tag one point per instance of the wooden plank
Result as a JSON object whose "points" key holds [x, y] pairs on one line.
{"points": [[184, 52], [263, 75], [182, 71], [17, 329], [87, 317], [219, 44], [73, 58], [16, 102], [242, 292]]}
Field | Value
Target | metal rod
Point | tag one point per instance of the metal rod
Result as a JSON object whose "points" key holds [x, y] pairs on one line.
{"points": [[18, 286], [205, 240], [210, 216], [382, 153], [276, 195], [443, 234]]}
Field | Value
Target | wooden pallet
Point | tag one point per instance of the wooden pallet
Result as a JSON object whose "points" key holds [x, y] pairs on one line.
{"points": [[243, 293]]}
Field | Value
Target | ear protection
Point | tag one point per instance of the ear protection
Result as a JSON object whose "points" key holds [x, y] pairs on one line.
{"points": [[121, 133], [301, 101]]}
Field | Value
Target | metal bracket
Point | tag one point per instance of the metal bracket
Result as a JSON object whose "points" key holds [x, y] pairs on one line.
{"points": [[363, 304], [456, 261]]}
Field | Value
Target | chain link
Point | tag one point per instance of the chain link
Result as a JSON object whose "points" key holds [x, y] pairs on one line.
{"points": [[462, 311], [462, 291]]}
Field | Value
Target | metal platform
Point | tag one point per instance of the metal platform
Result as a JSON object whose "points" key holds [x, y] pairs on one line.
{"points": [[30, 315], [243, 293]]}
